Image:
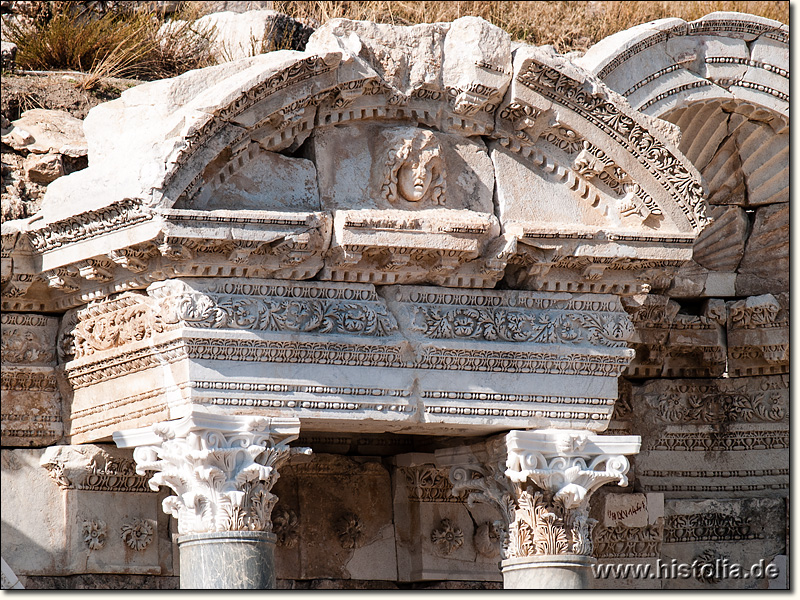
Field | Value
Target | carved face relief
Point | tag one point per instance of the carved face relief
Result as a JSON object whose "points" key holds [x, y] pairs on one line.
{"points": [[413, 180], [414, 168]]}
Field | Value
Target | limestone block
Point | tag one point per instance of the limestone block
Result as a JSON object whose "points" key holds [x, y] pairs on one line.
{"points": [[44, 131], [713, 436], [693, 281], [335, 520], [438, 535], [758, 335], [86, 511], [720, 533], [765, 265], [260, 180], [34, 533], [44, 168]]}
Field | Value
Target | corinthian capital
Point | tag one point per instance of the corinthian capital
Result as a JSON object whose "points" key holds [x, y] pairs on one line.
{"points": [[541, 482], [221, 468], [569, 464]]}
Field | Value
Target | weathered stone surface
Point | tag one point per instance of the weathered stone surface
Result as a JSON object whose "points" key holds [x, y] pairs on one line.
{"points": [[339, 520], [420, 356], [44, 131], [765, 266], [402, 168], [260, 180], [44, 168], [86, 512], [714, 437], [670, 343], [720, 246], [742, 531], [236, 33], [758, 335], [670, 63], [31, 401], [438, 535], [630, 532]]}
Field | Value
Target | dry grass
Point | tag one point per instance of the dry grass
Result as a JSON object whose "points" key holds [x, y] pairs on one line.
{"points": [[114, 45], [62, 36], [565, 25]]}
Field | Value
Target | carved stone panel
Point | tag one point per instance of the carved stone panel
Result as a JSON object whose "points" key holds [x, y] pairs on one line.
{"points": [[672, 343], [758, 335], [713, 437], [31, 401], [419, 354], [82, 509], [343, 525], [438, 535], [720, 533]]}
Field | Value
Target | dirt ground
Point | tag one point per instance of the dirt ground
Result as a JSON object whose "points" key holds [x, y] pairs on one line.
{"points": [[55, 91]]}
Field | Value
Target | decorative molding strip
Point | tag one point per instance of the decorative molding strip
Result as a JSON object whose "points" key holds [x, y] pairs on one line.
{"points": [[427, 483], [119, 215], [621, 541], [708, 527], [90, 468]]}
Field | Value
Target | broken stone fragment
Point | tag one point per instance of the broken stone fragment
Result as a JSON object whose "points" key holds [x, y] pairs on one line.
{"points": [[42, 131], [44, 168]]}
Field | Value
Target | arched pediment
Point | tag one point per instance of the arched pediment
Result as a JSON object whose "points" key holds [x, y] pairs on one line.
{"points": [[724, 81], [301, 164]]}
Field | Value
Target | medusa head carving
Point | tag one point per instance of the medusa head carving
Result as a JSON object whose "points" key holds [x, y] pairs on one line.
{"points": [[414, 168]]}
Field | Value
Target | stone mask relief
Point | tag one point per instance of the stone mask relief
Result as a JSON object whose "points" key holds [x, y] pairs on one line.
{"points": [[414, 168]]}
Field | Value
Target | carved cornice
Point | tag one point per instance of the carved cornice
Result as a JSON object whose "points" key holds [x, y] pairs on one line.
{"points": [[221, 468], [118, 215], [717, 402]]}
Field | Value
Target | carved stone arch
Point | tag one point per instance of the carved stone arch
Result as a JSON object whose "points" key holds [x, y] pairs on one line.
{"points": [[540, 174], [724, 81]]}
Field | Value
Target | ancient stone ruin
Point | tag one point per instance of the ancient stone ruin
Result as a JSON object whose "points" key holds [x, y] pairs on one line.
{"points": [[393, 309]]}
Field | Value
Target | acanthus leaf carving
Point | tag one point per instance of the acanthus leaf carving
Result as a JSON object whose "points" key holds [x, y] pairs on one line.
{"points": [[222, 474]]}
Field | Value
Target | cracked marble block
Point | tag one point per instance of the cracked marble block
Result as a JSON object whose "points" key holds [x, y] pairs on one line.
{"points": [[31, 400]]}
